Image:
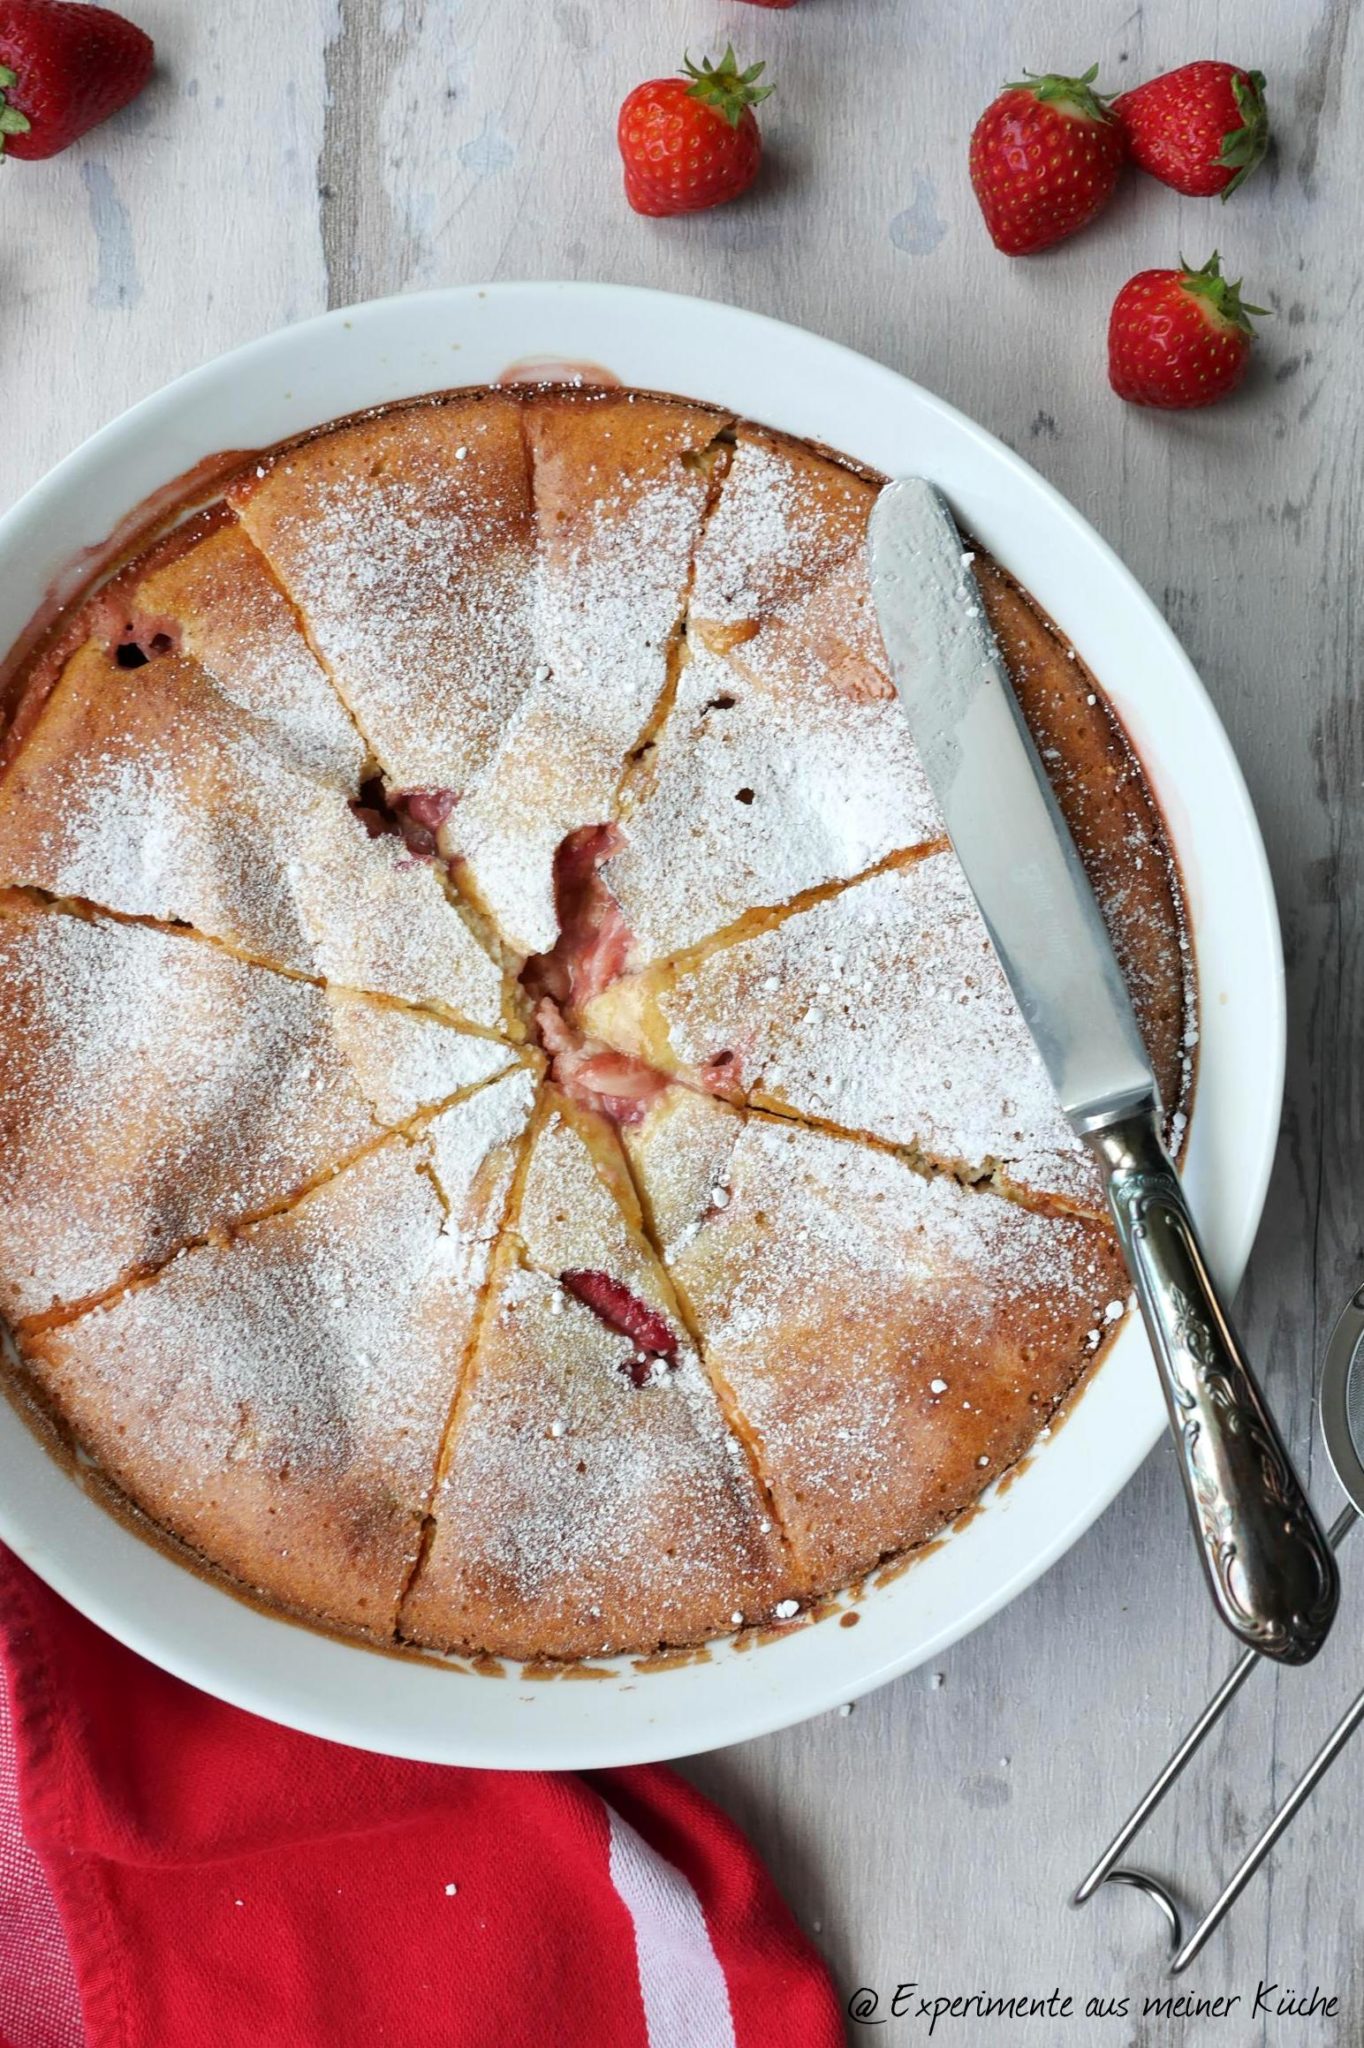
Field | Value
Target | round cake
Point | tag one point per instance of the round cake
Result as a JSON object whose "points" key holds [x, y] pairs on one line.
{"points": [[513, 1138]]}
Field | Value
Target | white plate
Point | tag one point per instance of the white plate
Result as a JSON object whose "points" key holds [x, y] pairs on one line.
{"points": [[396, 348]]}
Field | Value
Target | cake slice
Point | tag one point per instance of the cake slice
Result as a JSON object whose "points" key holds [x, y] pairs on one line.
{"points": [[277, 1401], [892, 1341], [785, 762], [145, 791], [155, 1089], [408, 1061], [209, 593], [407, 543], [620, 488], [593, 1498], [881, 1010], [755, 792]]}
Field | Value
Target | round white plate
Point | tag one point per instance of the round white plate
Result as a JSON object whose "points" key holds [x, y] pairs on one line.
{"points": [[397, 348]]}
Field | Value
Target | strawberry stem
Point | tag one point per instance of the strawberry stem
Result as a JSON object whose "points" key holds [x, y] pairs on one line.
{"points": [[1079, 94], [12, 122], [1244, 147], [724, 86], [1221, 296]]}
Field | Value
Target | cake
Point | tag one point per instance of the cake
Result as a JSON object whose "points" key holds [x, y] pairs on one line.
{"points": [[514, 1140]]}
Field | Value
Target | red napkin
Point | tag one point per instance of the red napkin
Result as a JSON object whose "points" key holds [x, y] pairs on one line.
{"points": [[189, 1876]]}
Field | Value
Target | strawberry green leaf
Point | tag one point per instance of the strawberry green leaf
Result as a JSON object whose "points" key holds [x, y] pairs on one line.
{"points": [[12, 122], [1221, 297], [724, 86], [1077, 94], [1244, 147]]}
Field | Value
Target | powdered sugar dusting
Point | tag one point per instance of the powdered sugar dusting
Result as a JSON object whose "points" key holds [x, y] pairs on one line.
{"points": [[148, 793], [413, 572], [152, 1089], [278, 1401], [583, 1512], [617, 527], [237, 622], [754, 796], [574, 1205], [405, 1061], [473, 1148], [833, 1287], [785, 763], [784, 518], [883, 1010]]}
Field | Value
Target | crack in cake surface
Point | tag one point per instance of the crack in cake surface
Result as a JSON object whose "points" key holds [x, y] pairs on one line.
{"points": [[733, 814]]}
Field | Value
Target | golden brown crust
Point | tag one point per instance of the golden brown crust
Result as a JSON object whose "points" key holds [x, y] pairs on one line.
{"points": [[581, 1512], [422, 582], [893, 1340]]}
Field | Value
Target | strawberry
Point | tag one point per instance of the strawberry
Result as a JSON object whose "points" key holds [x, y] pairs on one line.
{"points": [[1201, 129], [624, 1312], [1045, 157], [1179, 338], [691, 142], [771, 3], [63, 69]]}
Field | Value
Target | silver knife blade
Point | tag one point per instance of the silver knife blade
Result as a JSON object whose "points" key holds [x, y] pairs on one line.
{"points": [[1001, 815]]}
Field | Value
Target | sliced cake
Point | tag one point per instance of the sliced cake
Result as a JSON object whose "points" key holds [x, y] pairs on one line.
{"points": [[892, 1340], [513, 1138], [751, 796], [620, 487], [882, 1010], [277, 1401], [154, 1088], [210, 593], [593, 1496], [406, 541], [145, 791]]}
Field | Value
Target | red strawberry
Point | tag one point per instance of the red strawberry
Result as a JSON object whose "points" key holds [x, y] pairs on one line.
{"points": [[63, 69], [1201, 129], [625, 1313], [1045, 157], [771, 3], [692, 141], [1179, 338]]}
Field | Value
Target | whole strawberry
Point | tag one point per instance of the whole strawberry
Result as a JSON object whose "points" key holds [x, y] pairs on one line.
{"points": [[1045, 157], [691, 141], [64, 68], [1202, 129], [1179, 338]]}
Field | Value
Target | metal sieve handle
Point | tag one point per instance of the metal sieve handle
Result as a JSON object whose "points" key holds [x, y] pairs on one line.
{"points": [[1269, 1567]]}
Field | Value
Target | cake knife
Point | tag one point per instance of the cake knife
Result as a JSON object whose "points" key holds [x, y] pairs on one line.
{"points": [[1268, 1565]]}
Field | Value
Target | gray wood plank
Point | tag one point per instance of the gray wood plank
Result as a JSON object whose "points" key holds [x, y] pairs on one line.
{"points": [[935, 1832]]}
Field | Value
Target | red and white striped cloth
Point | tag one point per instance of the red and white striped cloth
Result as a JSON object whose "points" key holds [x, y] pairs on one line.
{"points": [[177, 1874]]}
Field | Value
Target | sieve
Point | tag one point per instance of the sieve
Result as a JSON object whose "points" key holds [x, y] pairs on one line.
{"points": [[1341, 1414]]}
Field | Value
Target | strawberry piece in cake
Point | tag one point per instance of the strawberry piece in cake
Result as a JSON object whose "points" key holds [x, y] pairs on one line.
{"points": [[155, 1089], [892, 1341], [214, 597], [881, 1010], [620, 487], [593, 1496], [277, 1401], [407, 543], [148, 793]]}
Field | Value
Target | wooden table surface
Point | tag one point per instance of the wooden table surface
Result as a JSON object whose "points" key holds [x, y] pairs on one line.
{"points": [[291, 157]]}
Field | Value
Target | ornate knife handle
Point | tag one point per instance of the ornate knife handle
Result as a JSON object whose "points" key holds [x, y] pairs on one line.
{"points": [[1269, 1567]]}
